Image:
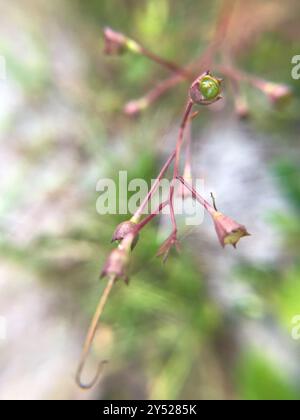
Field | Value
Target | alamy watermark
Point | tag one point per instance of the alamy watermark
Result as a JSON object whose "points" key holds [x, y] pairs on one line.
{"points": [[124, 197], [296, 68]]}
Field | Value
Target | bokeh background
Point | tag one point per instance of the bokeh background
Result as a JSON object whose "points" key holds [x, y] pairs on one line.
{"points": [[211, 323]]}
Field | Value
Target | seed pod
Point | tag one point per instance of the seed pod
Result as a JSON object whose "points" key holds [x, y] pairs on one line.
{"points": [[229, 231], [206, 89], [116, 264], [123, 229]]}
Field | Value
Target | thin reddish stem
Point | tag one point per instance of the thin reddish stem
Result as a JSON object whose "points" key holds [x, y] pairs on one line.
{"points": [[238, 75], [171, 204], [148, 219], [176, 164], [180, 136], [174, 154], [135, 106], [188, 157], [169, 65], [197, 196], [153, 189]]}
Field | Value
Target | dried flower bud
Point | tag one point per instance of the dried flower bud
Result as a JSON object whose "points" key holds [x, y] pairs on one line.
{"points": [[125, 228], [117, 264], [115, 42], [206, 89], [229, 232]]}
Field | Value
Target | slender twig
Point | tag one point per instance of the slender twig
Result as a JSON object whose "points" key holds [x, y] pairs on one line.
{"points": [[153, 189], [188, 157], [238, 75], [134, 106], [169, 65], [180, 136], [152, 215], [179, 142], [171, 205], [90, 337], [197, 196]]}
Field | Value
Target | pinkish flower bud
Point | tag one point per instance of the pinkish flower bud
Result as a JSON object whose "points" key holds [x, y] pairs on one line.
{"points": [[278, 94], [124, 229], [114, 42], [229, 232], [134, 107], [117, 264], [241, 107], [117, 43]]}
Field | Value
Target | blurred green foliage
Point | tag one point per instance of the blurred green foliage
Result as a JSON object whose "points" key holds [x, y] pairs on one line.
{"points": [[166, 328]]}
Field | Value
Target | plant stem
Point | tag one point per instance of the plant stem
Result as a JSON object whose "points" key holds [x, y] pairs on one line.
{"points": [[176, 164], [188, 157], [180, 136], [197, 196], [169, 65], [154, 94], [152, 215], [91, 335], [135, 218]]}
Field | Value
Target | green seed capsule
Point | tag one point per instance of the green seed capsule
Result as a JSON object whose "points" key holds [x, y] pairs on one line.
{"points": [[209, 87]]}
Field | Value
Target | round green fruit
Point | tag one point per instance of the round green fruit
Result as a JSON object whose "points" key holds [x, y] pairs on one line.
{"points": [[209, 87]]}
